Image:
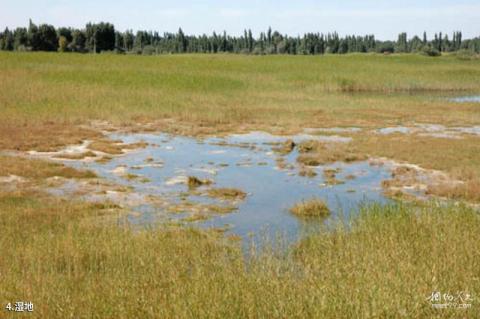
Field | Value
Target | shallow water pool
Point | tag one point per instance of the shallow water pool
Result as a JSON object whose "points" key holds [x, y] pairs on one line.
{"points": [[467, 99], [246, 162]]}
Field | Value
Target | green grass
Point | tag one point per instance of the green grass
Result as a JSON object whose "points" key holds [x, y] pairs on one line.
{"points": [[54, 255], [44, 97], [233, 89]]}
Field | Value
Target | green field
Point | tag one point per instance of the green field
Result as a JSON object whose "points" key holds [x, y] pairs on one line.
{"points": [[46, 96], [387, 266], [55, 253], [234, 89]]}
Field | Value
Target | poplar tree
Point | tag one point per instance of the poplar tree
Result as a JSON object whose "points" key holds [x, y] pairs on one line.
{"points": [[7, 43], [78, 41], [250, 41], [20, 36], [103, 37]]}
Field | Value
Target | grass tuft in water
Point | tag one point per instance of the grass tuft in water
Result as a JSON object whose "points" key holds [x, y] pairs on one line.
{"points": [[104, 159], [285, 148], [194, 182], [311, 208], [39, 169], [330, 176], [197, 217], [307, 172], [227, 193]]}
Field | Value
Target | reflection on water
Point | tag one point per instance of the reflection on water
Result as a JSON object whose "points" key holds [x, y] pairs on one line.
{"points": [[246, 162]]}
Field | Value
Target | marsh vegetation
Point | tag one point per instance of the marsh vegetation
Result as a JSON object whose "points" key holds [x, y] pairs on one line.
{"points": [[72, 261], [311, 208], [73, 257]]}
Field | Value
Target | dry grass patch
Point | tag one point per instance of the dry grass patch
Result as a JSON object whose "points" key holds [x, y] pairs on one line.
{"points": [[39, 169], [107, 146], [113, 147], [316, 153], [460, 158], [78, 156], [44, 136], [468, 190]]}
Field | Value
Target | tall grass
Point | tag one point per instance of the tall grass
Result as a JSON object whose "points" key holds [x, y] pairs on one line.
{"points": [[386, 265]]}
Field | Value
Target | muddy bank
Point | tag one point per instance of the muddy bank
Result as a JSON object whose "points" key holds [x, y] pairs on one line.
{"points": [[412, 182]]}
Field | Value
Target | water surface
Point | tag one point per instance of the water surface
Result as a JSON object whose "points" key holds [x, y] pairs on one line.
{"points": [[467, 99], [246, 162]]}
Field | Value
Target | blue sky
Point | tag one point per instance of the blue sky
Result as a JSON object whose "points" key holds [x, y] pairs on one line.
{"points": [[383, 18]]}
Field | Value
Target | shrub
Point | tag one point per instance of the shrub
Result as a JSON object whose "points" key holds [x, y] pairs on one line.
{"points": [[429, 51], [148, 50], [387, 47], [466, 55]]}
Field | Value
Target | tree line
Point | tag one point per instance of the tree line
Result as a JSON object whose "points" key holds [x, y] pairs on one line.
{"points": [[103, 37]]}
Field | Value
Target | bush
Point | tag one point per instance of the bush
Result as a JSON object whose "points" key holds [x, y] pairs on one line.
{"points": [[386, 47], [466, 55], [258, 51], [429, 51], [148, 50]]}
